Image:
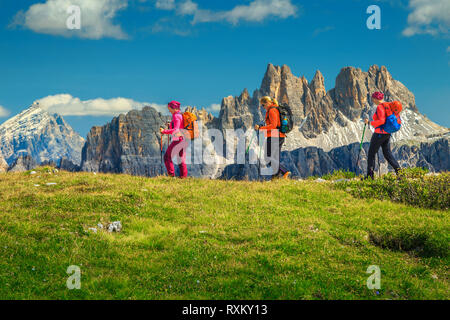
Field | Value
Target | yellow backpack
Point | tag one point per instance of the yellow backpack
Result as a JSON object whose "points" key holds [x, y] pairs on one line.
{"points": [[190, 126]]}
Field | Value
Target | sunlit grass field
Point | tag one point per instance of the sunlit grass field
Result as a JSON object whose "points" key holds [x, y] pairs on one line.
{"points": [[205, 239]]}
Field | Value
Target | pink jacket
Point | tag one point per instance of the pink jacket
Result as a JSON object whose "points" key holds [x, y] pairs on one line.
{"points": [[175, 126]]}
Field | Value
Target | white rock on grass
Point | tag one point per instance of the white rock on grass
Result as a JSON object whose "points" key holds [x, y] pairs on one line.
{"points": [[94, 230], [33, 172], [320, 180], [116, 226], [51, 184], [432, 174], [100, 226]]}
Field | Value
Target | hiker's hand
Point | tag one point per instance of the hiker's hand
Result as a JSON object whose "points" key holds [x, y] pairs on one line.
{"points": [[366, 121], [256, 127], [161, 130]]}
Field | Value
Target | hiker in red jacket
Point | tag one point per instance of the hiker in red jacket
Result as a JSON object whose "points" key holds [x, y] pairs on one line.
{"points": [[274, 136], [380, 138], [179, 144]]}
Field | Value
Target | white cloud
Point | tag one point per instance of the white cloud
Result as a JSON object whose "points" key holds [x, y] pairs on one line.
{"points": [[67, 105], [165, 4], [428, 17], [97, 18], [214, 108], [255, 11], [4, 112], [171, 25]]}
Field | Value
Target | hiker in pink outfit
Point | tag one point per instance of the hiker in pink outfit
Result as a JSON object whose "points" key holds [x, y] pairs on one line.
{"points": [[179, 143]]}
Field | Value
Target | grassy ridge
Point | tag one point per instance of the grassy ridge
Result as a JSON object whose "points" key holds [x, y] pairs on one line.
{"points": [[202, 239]]}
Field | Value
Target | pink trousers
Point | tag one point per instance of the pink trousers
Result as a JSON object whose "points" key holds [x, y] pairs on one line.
{"points": [[177, 148]]}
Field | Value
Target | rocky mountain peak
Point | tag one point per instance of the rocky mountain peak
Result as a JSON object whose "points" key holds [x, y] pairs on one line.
{"points": [[201, 114], [351, 93], [317, 85], [271, 81], [43, 136], [244, 97]]}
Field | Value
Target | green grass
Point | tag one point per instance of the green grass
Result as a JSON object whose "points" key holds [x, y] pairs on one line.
{"points": [[412, 187], [203, 239]]}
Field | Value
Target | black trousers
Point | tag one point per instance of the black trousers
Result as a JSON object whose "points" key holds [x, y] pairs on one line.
{"points": [[383, 141], [273, 156]]}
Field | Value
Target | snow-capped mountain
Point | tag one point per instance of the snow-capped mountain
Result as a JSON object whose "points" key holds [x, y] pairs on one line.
{"points": [[43, 136]]}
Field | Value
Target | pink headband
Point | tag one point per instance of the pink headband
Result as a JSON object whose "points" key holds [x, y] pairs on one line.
{"points": [[378, 96], [175, 105]]}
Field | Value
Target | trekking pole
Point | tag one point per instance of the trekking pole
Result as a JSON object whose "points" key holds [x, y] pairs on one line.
{"points": [[251, 141], [361, 146], [161, 144], [259, 159], [379, 165]]}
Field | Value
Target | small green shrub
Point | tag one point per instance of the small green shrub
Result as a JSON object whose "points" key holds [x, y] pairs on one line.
{"points": [[335, 175], [412, 186], [423, 243]]}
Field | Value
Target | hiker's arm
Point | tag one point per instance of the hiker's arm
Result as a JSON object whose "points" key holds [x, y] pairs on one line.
{"points": [[176, 126], [381, 117], [273, 120]]}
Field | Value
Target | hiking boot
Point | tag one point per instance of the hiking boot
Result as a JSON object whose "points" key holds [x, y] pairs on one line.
{"points": [[287, 175]]}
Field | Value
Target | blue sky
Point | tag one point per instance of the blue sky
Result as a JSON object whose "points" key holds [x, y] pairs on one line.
{"points": [[129, 53]]}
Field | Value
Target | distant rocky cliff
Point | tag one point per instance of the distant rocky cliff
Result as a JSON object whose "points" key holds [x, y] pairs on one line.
{"points": [[23, 163], [128, 144]]}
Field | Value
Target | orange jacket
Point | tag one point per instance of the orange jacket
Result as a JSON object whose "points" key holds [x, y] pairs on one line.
{"points": [[273, 122]]}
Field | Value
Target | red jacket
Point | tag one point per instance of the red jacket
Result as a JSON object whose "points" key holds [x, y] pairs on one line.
{"points": [[379, 118], [273, 121]]}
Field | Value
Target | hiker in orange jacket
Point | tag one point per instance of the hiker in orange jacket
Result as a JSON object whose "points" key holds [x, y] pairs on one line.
{"points": [[380, 138], [275, 138]]}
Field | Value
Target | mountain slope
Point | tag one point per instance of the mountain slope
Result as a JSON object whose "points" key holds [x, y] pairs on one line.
{"points": [[43, 136], [3, 164], [203, 239], [333, 117]]}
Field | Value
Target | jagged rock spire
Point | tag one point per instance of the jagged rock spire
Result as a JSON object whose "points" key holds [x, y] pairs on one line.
{"points": [[317, 85]]}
